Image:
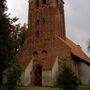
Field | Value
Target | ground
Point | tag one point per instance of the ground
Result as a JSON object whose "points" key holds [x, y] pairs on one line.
{"points": [[83, 87]]}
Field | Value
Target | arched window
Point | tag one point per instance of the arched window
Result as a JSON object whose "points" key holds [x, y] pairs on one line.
{"points": [[37, 3], [44, 51], [35, 53]]}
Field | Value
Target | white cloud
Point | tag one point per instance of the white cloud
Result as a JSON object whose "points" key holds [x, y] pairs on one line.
{"points": [[78, 21], [18, 9]]}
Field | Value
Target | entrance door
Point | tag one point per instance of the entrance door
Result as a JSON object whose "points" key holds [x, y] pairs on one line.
{"points": [[38, 75]]}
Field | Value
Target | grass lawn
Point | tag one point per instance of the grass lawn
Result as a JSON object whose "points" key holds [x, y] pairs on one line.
{"points": [[84, 87]]}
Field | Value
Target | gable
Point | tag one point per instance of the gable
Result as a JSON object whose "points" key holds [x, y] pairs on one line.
{"points": [[77, 51]]}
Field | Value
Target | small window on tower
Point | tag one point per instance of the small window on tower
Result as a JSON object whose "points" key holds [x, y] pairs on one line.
{"points": [[43, 20], [35, 53], [57, 3], [44, 1], [37, 22], [44, 51], [37, 34], [37, 3]]}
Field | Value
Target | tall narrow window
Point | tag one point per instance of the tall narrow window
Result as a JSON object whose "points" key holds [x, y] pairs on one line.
{"points": [[43, 20], [44, 1], [57, 3], [37, 34], [37, 22], [37, 3]]}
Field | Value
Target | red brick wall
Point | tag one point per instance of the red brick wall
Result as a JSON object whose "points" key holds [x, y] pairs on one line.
{"points": [[45, 23]]}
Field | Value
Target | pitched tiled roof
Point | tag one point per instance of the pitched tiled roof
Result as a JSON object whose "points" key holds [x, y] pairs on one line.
{"points": [[77, 51], [24, 56]]}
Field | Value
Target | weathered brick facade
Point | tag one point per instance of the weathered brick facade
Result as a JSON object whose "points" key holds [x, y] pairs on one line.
{"points": [[46, 40]]}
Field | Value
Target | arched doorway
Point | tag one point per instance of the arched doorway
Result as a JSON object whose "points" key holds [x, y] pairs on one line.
{"points": [[38, 75]]}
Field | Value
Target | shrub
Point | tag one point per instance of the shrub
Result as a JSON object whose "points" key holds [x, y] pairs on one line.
{"points": [[67, 80], [14, 73]]}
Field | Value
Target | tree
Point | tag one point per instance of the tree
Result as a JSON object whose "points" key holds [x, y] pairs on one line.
{"points": [[13, 75], [19, 34], [2, 7], [4, 32], [6, 42], [9, 36], [67, 80], [23, 34]]}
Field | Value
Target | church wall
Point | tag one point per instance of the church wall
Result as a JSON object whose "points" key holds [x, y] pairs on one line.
{"points": [[55, 72], [84, 73], [74, 67], [26, 76], [47, 78]]}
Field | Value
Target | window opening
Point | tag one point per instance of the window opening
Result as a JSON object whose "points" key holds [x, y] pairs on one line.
{"points": [[43, 20], [44, 1], [37, 34], [37, 3], [37, 22]]}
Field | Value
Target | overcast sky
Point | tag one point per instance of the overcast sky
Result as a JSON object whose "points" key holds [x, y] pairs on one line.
{"points": [[77, 18]]}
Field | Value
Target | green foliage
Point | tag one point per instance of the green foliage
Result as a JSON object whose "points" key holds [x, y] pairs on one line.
{"points": [[4, 38], [67, 79], [23, 35], [18, 34], [8, 47], [3, 88], [14, 73], [3, 7]]}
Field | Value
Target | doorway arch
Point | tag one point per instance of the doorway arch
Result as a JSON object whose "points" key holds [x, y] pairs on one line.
{"points": [[38, 75]]}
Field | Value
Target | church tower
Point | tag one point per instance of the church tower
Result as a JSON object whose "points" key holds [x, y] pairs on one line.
{"points": [[46, 18], [46, 48], [46, 21], [45, 43]]}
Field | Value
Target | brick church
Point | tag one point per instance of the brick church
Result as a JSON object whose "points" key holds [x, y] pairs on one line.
{"points": [[47, 47]]}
